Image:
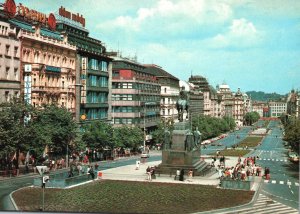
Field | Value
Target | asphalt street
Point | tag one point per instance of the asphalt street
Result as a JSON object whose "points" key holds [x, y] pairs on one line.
{"points": [[232, 139], [284, 183]]}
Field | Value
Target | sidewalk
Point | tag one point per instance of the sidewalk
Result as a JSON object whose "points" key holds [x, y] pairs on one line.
{"points": [[130, 173]]}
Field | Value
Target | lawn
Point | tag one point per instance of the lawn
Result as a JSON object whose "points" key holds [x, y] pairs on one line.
{"points": [[131, 197], [251, 141], [234, 152]]}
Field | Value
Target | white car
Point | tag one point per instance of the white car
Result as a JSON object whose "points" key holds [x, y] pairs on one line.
{"points": [[145, 155]]}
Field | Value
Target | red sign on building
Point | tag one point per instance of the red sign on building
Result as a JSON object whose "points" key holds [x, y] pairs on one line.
{"points": [[28, 14], [10, 8]]}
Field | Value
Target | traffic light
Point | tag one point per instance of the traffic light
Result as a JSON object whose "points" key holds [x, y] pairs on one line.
{"points": [[45, 179]]}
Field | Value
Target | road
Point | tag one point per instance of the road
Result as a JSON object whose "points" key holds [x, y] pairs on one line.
{"points": [[284, 183], [9, 185], [228, 141]]}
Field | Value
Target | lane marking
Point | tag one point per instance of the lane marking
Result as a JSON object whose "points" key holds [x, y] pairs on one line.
{"points": [[297, 184], [281, 182], [289, 183], [273, 182], [292, 191], [266, 181]]}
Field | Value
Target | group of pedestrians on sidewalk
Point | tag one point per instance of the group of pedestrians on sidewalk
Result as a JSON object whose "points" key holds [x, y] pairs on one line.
{"points": [[241, 170]]}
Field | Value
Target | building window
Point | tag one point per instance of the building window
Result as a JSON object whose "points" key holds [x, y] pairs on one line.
{"points": [[7, 49], [6, 96], [103, 81], [103, 65], [93, 80], [93, 64], [16, 52], [16, 73], [7, 72]]}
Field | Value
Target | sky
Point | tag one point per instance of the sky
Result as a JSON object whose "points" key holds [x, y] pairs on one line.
{"points": [[247, 44]]}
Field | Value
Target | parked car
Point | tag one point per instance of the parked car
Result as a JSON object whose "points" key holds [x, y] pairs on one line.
{"points": [[145, 155], [294, 157]]}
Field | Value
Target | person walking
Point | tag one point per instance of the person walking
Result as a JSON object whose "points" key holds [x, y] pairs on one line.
{"points": [[148, 171], [92, 173]]}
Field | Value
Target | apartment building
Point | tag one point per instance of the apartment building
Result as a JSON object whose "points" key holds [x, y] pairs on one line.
{"points": [[169, 92], [9, 61], [47, 60], [93, 69], [136, 94], [259, 106], [277, 108]]}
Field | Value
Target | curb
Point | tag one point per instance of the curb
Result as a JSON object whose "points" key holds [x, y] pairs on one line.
{"points": [[12, 200]]}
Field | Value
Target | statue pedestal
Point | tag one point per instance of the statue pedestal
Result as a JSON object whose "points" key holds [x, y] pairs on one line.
{"points": [[182, 153]]}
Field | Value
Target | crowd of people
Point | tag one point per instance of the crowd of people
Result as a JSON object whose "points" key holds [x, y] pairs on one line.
{"points": [[242, 169]]}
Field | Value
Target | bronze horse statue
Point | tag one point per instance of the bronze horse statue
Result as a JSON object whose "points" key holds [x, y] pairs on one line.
{"points": [[182, 105]]}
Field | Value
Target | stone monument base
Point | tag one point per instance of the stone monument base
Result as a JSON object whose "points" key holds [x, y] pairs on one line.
{"points": [[173, 160]]}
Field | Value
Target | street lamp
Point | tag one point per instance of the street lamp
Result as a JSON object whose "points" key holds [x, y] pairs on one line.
{"points": [[148, 103], [67, 107]]}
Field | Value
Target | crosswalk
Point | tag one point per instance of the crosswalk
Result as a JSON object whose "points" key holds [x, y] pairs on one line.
{"points": [[289, 183], [264, 205], [273, 159]]}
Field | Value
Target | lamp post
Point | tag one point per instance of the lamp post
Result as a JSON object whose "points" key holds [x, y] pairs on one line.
{"points": [[67, 107]]}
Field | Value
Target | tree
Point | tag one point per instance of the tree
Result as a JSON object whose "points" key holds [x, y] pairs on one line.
{"points": [[128, 137], [14, 134], [159, 133], [98, 135], [55, 126], [292, 133], [251, 117]]}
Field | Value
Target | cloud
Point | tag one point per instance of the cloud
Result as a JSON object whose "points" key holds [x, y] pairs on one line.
{"points": [[241, 33], [167, 17]]}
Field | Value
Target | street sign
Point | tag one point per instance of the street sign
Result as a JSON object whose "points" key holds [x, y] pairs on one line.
{"points": [[45, 179], [42, 170], [27, 68]]}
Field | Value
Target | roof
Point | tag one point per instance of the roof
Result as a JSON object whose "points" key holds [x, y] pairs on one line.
{"points": [[122, 59], [184, 84], [22, 25], [28, 27], [158, 71], [52, 34]]}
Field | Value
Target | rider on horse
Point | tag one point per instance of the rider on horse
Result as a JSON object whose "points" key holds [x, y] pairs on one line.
{"points": [[182, 104]]}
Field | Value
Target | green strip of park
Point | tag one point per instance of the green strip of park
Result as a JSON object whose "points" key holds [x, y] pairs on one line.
{"points": [[109, 196], [239, 150]]}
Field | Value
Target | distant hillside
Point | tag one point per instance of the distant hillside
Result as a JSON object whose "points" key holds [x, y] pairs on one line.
{"points": [[262, 96]]}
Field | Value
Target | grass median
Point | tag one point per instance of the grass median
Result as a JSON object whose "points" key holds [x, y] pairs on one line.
{"points": [[251, 141], [131, 197]]}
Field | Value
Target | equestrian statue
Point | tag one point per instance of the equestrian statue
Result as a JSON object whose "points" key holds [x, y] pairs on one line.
{"points": [[182, 104]]}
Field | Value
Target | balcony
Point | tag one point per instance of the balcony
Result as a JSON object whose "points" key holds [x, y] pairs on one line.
{"points": [[94, 105], [97, 72], [97, 88]]}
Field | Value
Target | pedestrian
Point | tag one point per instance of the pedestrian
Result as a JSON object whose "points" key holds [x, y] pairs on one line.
{"points": [[148, 172], [190, 175], [79, 168], [88, 169], [239, 159], [91, 172]]}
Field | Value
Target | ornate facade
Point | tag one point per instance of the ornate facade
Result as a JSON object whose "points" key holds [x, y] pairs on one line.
{"points": [[47, 66], [9, 61]]}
